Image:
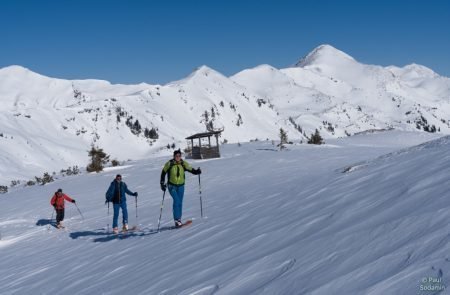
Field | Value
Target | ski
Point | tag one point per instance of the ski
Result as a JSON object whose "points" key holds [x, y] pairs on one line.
{"points": [[131, 229], [172, 227], [186, 223], [122, 234]]}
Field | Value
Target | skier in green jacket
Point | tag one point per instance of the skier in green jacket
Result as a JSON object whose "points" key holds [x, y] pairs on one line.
{"points": [[175, 169]]}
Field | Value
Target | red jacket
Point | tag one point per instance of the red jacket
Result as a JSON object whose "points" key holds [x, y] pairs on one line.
{"points": [[59, 201]]}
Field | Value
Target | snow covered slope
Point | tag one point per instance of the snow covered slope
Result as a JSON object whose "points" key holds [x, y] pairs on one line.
{"points": [[366, 214], [48, 124]]}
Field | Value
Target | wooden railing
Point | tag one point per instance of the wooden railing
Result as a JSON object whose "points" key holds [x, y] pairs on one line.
{"points": [[205, 152]]}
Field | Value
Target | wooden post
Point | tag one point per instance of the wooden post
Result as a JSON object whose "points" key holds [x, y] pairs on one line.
{"points": [[200, 147], [217, 143]]}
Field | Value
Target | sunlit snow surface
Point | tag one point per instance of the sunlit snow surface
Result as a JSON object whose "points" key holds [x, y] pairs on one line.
{"points": [[362, 215]]}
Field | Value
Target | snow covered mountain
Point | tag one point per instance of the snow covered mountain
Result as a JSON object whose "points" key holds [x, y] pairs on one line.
{"points": [[366, 214], [49, 124], [330, 89]]}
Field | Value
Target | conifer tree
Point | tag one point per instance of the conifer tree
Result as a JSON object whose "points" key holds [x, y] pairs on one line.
{"points": [[98, 159], [316, 138]]}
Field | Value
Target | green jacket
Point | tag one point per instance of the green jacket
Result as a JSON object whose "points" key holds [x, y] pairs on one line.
{"points": [[176, 172]]}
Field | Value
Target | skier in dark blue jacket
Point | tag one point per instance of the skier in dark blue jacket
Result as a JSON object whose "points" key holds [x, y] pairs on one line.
{"points": [[116, 194]]}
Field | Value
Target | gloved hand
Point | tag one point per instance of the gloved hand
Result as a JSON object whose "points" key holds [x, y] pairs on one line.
{"points": [[107, 201], [197, 171], [135, 194], [73, 201], [163, 186]]}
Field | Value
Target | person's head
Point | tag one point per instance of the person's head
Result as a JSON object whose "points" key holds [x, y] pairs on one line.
{"points": [[177, 155], [118, 177], [59, 192]]}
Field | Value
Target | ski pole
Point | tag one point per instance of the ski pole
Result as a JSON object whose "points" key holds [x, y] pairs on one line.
{"points": [[160, 213], [79, 210], [200, 192], [135, 200], [50, 222], [107, 227]]}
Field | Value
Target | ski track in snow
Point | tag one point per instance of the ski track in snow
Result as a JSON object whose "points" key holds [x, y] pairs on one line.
{"points": [[290, 222]]}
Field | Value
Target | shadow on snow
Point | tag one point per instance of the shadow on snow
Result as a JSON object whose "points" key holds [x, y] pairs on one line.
{"points": [[105, 236], [42, 222]]}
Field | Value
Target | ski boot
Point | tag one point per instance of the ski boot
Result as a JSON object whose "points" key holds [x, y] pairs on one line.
{"points": [[178, 223]]}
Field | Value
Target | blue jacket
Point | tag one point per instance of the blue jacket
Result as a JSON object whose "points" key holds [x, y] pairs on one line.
{"points": [[112, 196]]}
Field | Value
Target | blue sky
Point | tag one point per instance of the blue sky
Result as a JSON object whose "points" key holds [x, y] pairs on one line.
{"points": [[160, 41]]}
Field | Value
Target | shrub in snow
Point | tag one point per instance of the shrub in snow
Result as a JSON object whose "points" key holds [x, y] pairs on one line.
{"points": [[296, 126], [46, 178], [315, 138], [152, 134], [283, 139], [14, 183], [423, 123], [210, 126], [206, 116], [260, 102], [98, 159], [3, 189], [30, 183], [74, 170]]}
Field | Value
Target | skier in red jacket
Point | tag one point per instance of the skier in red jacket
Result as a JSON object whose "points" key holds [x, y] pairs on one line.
{"points": [[57, 202]]}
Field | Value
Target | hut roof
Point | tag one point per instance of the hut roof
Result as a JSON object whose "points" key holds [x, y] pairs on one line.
{"points": [[204, 134]]}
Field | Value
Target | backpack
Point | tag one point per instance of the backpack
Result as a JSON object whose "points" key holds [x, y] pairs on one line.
{"points": [[172, 163]]}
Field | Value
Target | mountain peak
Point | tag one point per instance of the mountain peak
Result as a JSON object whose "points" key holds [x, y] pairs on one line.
{"points": [[421, 70], [199, 73], [204, 71], [324, 54], [19, 73], [15, 69]]}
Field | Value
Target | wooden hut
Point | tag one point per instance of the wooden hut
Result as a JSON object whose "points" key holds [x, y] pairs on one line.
{"points": [[200, 148]]}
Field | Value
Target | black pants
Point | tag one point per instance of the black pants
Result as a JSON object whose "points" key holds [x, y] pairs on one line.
{"points": [[59, 215]]}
